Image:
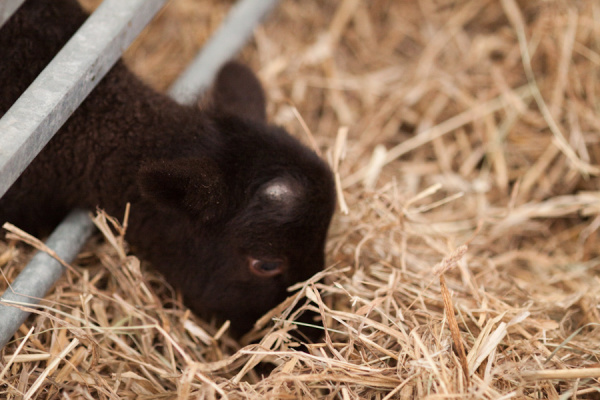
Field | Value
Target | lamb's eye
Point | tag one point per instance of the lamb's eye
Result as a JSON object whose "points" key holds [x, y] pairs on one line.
{"points": [[266, 268]]}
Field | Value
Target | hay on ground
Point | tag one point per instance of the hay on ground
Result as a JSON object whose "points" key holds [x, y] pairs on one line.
{"points": [[464, 260]]}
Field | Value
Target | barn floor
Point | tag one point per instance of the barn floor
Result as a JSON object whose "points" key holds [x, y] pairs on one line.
{"points": [[464, 257]]}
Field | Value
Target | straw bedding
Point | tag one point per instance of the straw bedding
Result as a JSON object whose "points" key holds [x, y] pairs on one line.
{"points": [[464, 256]]}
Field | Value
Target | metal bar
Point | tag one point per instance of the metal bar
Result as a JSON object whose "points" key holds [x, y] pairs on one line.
{"points": [[8, 8], [233, 33], [34, 118], [43, 271]]}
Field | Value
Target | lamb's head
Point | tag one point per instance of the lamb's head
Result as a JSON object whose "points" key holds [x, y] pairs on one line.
{"points": [[252, 215]]}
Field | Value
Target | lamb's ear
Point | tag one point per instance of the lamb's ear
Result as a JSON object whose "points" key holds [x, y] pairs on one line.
{"points": [[194, 186], [238, 91]]}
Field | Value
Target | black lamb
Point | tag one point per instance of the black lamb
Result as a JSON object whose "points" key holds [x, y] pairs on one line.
{"points": [[231, 210]]}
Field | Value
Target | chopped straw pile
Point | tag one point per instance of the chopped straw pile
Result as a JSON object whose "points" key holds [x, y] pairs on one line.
{"points": [[464, 258]]}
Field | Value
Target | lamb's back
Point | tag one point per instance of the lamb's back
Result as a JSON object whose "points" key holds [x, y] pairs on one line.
{"points": [[92, 159]]}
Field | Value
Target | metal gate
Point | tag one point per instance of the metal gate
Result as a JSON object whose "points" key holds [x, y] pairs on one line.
{"points": [[48, 102]]}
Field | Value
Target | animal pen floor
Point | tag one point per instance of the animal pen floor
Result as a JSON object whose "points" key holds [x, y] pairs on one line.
{"points": [[466, 138]]}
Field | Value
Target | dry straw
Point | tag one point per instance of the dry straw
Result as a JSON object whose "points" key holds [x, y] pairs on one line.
{"points": [[465, 137]]}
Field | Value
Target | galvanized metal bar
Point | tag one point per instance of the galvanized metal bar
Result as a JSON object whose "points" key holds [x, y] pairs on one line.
{"points": [[66, 81], [43, 271], [233, 33], [8, 8]]}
